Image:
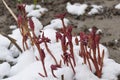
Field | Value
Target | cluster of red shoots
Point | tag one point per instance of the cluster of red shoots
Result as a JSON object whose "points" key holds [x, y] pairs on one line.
{"points": [[67, 45], [23, 22], [91, 41], [65, 36]]}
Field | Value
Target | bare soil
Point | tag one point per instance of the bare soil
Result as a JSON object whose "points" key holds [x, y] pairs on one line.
{"points": [[108, 22]]}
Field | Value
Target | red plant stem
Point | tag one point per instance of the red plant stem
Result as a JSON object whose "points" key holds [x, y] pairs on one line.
{"points": [[44, 69], [64, 28], [41, 74], [102, 61], [98, 73], [63, 45], [99, 59], [83, 53], [53, 74], [37, 45], [63, 48], [90, 55], [72, 66], [39, 49], [72, 53], [71, 45], [95, 63], [88, 58], [65, 62], [50, 53]]}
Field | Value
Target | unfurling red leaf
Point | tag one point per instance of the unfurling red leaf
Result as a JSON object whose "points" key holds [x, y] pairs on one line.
{"points": [[94, 29], [31, 24], [69, 36], [42, 54], [54, 67], [19, 21], [69, 29], [43, 39], [58, 35], [21, 7]]}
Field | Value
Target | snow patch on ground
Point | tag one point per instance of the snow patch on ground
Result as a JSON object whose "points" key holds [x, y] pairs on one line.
{"points": [[57, 24], [76, 9], [117, 6], [96, 9], [32, 12]]}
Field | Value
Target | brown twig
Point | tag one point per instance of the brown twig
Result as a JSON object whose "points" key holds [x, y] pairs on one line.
{"points": [[12, 41], [10, 10]]}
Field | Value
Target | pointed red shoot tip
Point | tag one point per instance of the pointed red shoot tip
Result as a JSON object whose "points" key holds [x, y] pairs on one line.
{"points": [[58, 35], [69, 28], [21, 7], [94, 29]]}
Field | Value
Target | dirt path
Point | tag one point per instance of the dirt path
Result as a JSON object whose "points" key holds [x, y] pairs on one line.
{"points": [[109, 25]]}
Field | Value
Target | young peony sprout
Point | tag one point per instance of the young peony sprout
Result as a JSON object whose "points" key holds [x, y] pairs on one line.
{"points": [[92, 41]]}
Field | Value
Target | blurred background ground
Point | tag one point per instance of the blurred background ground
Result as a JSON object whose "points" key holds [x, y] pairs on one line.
{"points": [[109, 22]]}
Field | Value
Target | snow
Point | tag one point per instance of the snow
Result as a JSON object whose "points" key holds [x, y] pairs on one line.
{"points": [[38, 25], [99, 31], [84, 73], [50, 33], [64, 71], [24, 60], [111, 69], [13, 27], [57, 24], [76, 9], [6, 55], [29, 73], [79, 9], [26, 67], [17, 36], [96, 9], [117, 6], [4, 41], [29, 8], [4, 69], [32, 12]]}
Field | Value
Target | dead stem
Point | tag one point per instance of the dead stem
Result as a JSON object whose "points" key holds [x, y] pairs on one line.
{"points": [[10, 10], [12, 41]]}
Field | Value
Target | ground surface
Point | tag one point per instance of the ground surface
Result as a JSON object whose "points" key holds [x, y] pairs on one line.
{"points": [[109, 22]]}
